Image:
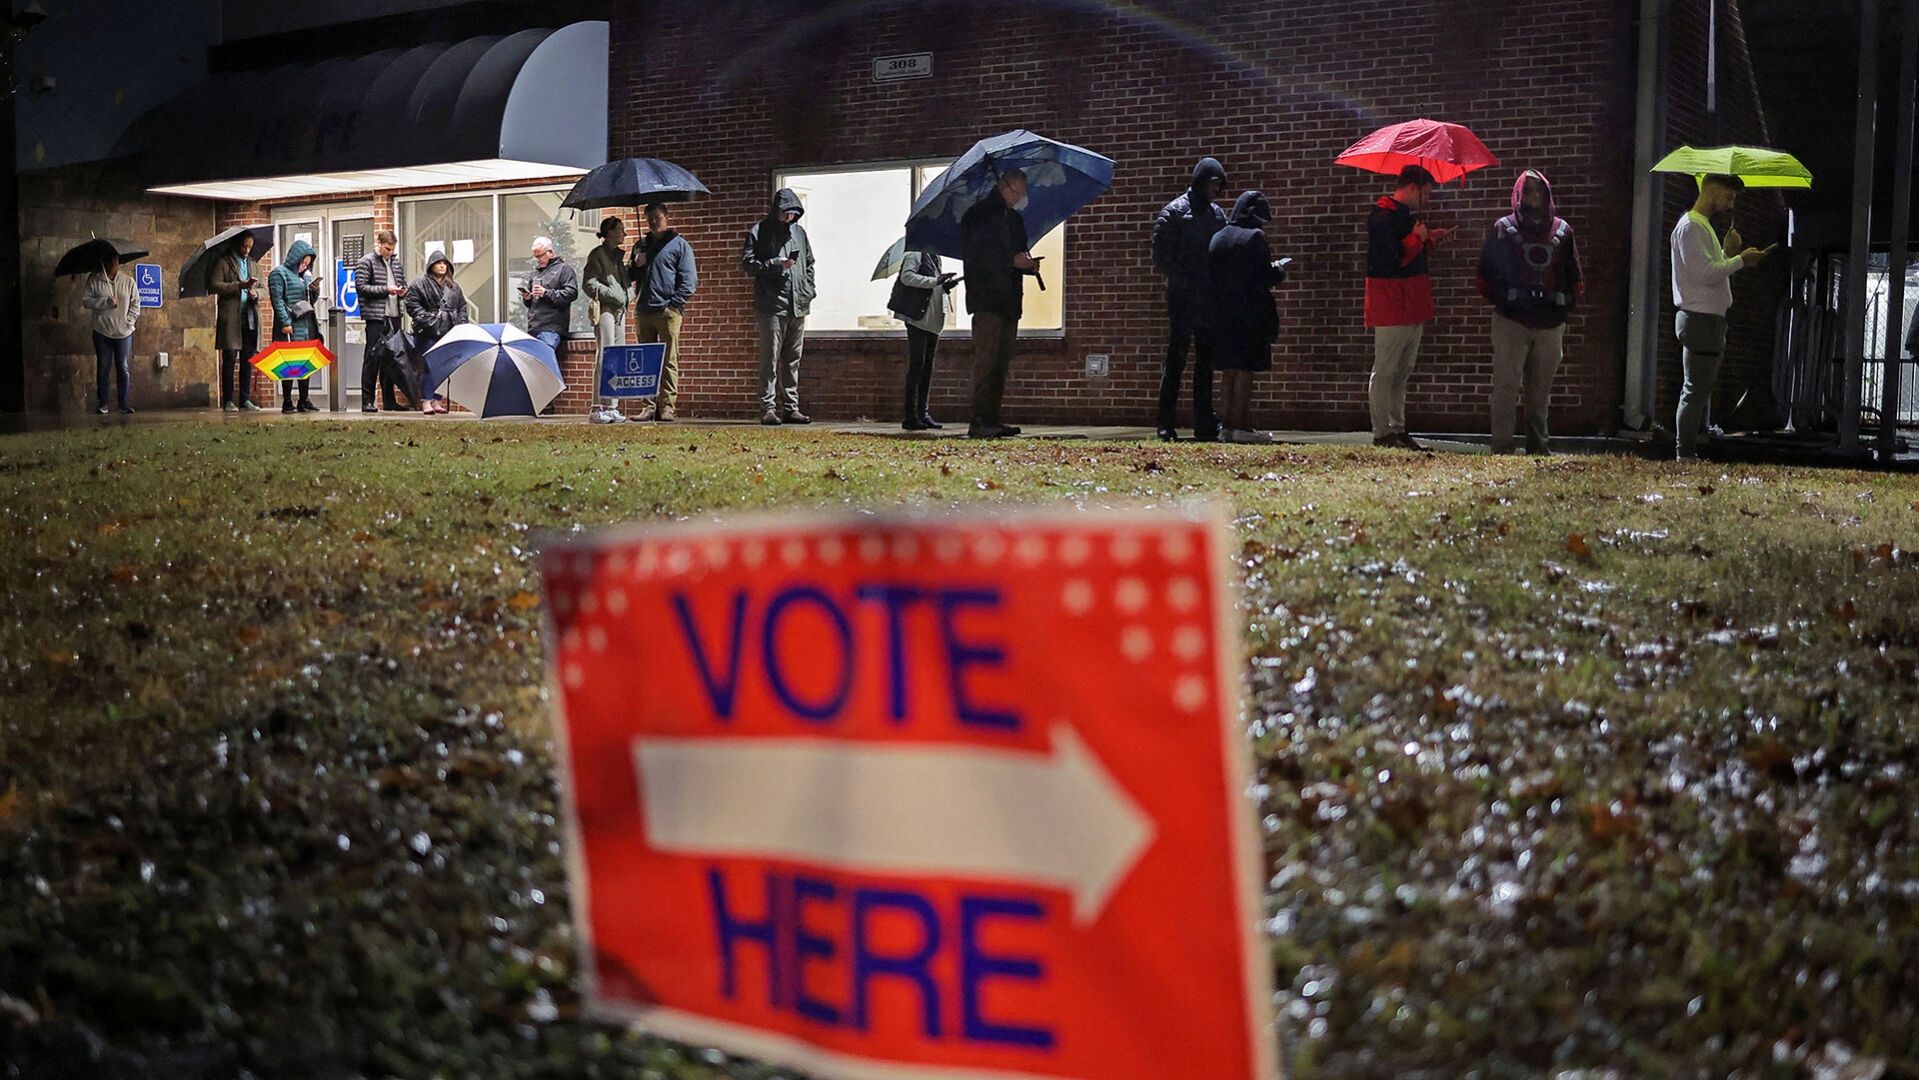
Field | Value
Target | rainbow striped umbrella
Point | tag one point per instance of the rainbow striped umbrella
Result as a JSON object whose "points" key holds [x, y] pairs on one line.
{"points": [[292, 359]]}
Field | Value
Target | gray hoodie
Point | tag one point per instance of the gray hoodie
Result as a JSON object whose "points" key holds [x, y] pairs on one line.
{"points": [[769, 243]]}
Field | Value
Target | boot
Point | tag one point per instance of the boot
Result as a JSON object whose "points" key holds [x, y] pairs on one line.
{"points": [[912, 407], [925, 394]]}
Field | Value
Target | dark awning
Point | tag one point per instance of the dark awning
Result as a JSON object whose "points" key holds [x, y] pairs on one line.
{"points": [[524, 105]]}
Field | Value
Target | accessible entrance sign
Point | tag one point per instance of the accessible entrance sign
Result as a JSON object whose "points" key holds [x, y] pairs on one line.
{"points": [[957, 798]]}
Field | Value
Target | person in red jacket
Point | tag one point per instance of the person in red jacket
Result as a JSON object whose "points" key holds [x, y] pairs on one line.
{"points": [[1399, 299], [1529, 273]]}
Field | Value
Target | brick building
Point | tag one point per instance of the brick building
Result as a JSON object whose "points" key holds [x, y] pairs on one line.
{"points": [[751, 95]]}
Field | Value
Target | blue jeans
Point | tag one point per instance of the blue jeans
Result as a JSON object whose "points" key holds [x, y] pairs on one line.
{"points": [[552, 339], [113, 355]]}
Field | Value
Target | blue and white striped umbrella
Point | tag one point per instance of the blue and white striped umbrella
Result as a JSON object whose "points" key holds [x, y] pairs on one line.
{"points": [[494, 369]]}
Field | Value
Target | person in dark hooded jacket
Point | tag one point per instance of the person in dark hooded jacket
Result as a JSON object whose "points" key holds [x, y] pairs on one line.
{"points": [[1529, 272], [434, 304], [1181, 232], [293, 288], [1242, 321], [779, 259]]}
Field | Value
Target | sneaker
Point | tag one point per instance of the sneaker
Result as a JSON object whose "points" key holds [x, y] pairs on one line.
{"points": [[249, 406], [285, 408], [229, 407], [1166, 434], [1245, 436], [606, 416], [369, 408], [666, 415], [769, 418], [126, 409], [308, 406], [1206, 436], [930, 424], [102, 410], [796, 417]]}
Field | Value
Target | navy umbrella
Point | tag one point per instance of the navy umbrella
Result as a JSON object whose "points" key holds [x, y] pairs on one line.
{"points": [[199, 266], [633, 182], [1060, 178], [92, 255]]}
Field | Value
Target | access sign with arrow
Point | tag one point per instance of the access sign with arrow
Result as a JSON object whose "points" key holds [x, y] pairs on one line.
{"points": [[945, 798]]}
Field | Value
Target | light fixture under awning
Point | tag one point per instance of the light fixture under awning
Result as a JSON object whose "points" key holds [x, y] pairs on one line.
{"points": [[499, 170], [529, 105]]}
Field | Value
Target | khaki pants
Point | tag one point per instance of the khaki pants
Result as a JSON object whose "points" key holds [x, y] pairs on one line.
{"points": [[1530, 356], [612, 331], [782, 338], [1395, 349], [993, 337], [1702, 340], [663, 325]]}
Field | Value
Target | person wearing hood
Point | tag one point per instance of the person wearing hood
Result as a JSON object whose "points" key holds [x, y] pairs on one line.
{"points": [[293, 288], [1702, 270], [236, 322], [115, 305], [996, 256], [779, 259], [434, 304], [665, 275], [1241, 318], [1181, 232], [1529, 273], [1399, 299]]}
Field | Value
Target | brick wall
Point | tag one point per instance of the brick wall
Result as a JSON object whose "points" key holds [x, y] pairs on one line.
{"points": [[737, 90], [60, 208]]}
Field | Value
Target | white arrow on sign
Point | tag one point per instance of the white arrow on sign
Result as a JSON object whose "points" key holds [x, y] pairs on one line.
{"points": [[1056, 820]]}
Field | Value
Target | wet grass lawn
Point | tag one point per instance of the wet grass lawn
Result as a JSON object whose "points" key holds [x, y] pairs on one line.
{"points": [[1579, 767]]}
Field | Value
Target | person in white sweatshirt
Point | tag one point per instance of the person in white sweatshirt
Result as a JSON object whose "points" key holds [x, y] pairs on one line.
{"points": [[116, 308], [1702, 271]]}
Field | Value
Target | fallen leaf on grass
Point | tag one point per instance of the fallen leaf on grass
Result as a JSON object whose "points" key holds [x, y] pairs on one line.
{"points": [[10, 802], [1604, 825], [248, 635], [523, 601], [112, 527], [1576, 543], [1772, 758]]}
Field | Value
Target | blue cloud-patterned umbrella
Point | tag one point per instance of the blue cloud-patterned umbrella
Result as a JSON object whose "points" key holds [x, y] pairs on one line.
{"points": [[494, 369], [1060, 179]]}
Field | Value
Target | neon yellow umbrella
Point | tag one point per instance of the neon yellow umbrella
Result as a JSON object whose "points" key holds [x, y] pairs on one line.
{"points": [[1756, 165]]}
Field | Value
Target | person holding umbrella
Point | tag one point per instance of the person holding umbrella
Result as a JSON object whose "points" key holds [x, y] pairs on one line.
{"points": [[920, 298], [665, 275], [381, 281], [996, 260], [605, 286], [434, 304], [293, 289], [779, 259], [236, 325], [1399, 299], [1181, 233], [116, 308], [1702, 271]]}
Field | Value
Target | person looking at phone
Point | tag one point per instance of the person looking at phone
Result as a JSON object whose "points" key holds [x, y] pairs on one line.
{"points": [[779, 258], [1399, 299], [1702, 270], [1529, 272], [549, 292], [997, 256]]}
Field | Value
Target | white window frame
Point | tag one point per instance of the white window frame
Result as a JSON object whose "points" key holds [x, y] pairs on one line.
{"points": [[778, 177], [496, 195]]}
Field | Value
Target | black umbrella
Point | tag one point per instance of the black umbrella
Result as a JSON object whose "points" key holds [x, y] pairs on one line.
{"points": [[633, 182], [199, 266], [93, 255]]}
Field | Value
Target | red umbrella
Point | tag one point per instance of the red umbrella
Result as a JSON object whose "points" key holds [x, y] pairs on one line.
{"points": [[1448, 151]]}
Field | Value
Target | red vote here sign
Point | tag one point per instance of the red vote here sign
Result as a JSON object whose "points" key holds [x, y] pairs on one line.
{"points": [[956, 798]]}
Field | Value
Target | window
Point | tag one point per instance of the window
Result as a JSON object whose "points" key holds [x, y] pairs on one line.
{"points": [[854, 215], [463, 228], [489, 238], [574, 233]]}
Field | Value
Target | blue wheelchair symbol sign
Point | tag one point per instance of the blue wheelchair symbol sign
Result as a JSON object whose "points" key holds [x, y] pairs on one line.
{"points": [[146, 282], [631, 371], [344, 288]]}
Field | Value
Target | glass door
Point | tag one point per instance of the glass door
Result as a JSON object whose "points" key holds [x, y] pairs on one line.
{"points": [[350, 237]]}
